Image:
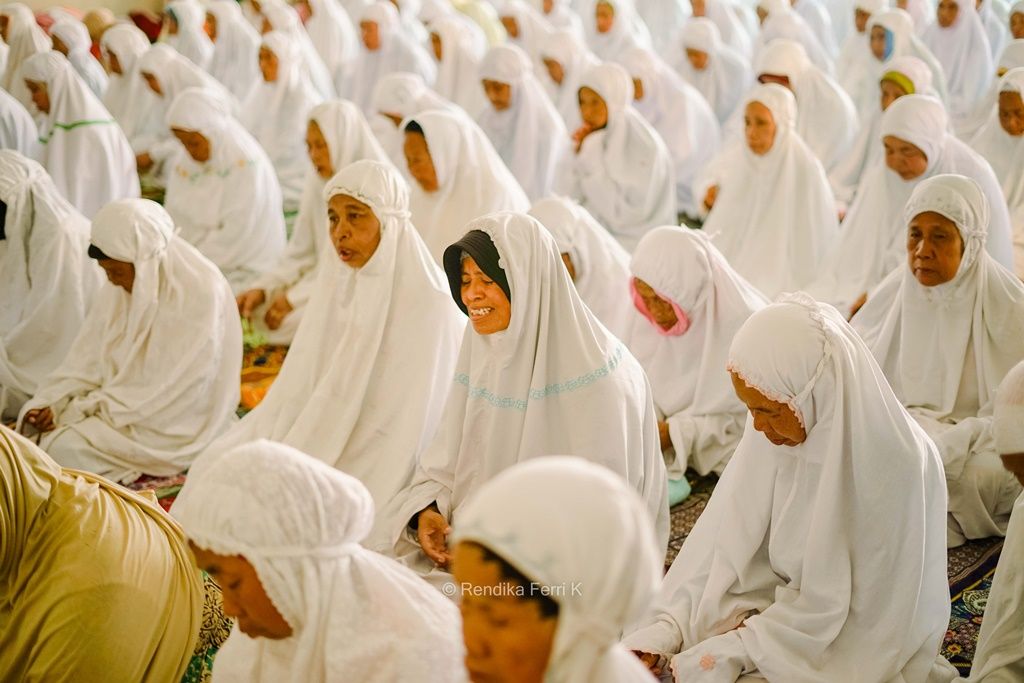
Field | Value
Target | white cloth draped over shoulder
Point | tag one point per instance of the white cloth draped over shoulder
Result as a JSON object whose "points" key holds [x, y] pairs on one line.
{"points": [[47, 280], [569, 52], [229, 206], [628, 29], [463, 45], [574, 524], [191, 39], [76, 39], [530, 25], [856, 65], [692, 389], [775, 577], [727, 75], [331, 31], [783, 23], [555, 381], [396, 97], [472, 179], [236, 49], [899, 28], [600, 263], [128, 98], [153, 378], [354, 614], [966, 58], [774, 217], [623, 173], [529, 135], [24, 39], [663, 20], [17, 128], [1012, 57], [78, 133], [280, 16]]}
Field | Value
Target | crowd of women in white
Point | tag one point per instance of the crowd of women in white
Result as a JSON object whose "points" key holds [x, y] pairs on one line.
{"points": [[339, 180]]}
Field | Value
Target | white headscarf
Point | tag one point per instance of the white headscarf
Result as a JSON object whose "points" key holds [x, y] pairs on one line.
{"points": [[228, 207], [965, 55], [727, 75], [783, 23], [472, 179], [776, 577], [663, 21], [17, 128], [628, 30], [154, 375], [283, 18], [856, 65], [401, 95], [1005, 154], [774, 217], [728, 18], [191, 39], [78, 133], [24, 39], [624, 174], [331, 31], [826, 116], [562, 17], [458, 72], [681, 116], [533, 27], [530, 136], [47, 281], [555, 381], [76, 38], [687, 372], [575, 524], [905, 43], [601, 263], [995, 18], [817, 17], [276, 114], [354, 614], [367, 333], [1012, 57], [128, 98], [572, 55], [235, 60]]}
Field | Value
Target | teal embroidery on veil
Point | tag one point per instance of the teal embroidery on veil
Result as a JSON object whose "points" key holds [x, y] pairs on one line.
{"points": [[514, 403]]}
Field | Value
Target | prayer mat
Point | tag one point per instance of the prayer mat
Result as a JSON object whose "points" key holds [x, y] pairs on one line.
{"points": [[164, 488], [971, 568], [684, 515], [260, 366]]}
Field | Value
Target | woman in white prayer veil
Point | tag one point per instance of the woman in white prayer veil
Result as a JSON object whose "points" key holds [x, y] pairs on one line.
{"points": [[916, 143], [597, 264], [622, 172], [817, 17], [153, 377], [1015, 21], [282, 17], [729, 19], [1001, 142], [946, 327], [127, 97], [526, 26], [663, 20], [575, 525], [777, 577], [522, 123], [459, 46], [537, 373], [23, 38], [780, 22], [236, 47], [772, 213], [331, 31], [396, 97], [957, 38], [71, 39], [380, 317], [614, 26], [337, 135], [680, 115], [856, 69], [690, 304], [891, 36], [17, 128], [223, 193], [457, 176], [560, 16], [994, 17], [565, 60], [277, 110], [185, 31], [77, 132], [1012, 57], [720, 73], [1000, 654], [47, 280], [280, 531], [385, 49]]}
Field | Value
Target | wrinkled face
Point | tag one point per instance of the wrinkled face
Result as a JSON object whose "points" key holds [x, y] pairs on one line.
{"points": [[153, 83], [890, 92], [947, 13], [119, 273], [355, 230], [759, 125], [268, 64], [1011, 113], [934, 248], [593, 109], [114, 64], [660, 309], [499, 94], [604, 17], [1017, 25], [555, 70], [638, 89], [489, 309], [508, 639], [319, 152], [699, 8], [420, 163], [210, 26], [196, 144], [371, 35], [906, 159], [40, 95], [435, 43], [511, 26], [775, 78], [1014, 463], [244, 596], [775, 420], [698, 59], [877, 42], [59, 45], [860, 19]]}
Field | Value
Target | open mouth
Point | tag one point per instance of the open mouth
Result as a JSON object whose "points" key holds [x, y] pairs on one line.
{"points": [[345, 254], [476, 314]]}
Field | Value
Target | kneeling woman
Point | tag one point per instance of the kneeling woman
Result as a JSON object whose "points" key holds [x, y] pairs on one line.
{"points": [[781, 574]]}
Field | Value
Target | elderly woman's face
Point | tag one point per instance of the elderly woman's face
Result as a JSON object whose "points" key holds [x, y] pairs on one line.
{"points": [[420, 163], [934, 248], [904, 158], [593, 109], [890, 92], [268, 64], [245, 599], [508, 639], [355, 230], [1011, 113], [775, 420], [119, 273], [196, 144], [760, 128], [947, 12], [660, 309], [498, 94], [319, 152], [489, 309], [604, 17], [877, 42], [40, 95]]}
